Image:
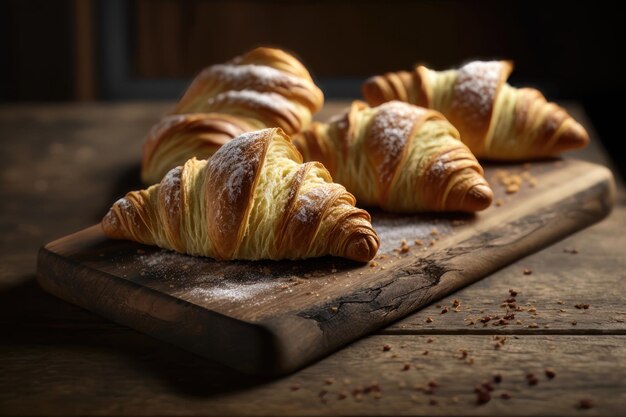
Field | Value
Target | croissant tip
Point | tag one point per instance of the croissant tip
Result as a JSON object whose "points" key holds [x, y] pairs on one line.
{"points": [[113, 223], [574, 137], [363, 248], [110, 225], [479, 197], [372, 92]]}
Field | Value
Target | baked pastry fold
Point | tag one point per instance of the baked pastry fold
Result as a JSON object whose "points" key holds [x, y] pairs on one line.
{"points": [[253, 199], [497, 121], [400, 157], [264, 88]]}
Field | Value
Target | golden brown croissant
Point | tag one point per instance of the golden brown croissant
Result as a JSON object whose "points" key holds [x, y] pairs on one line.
{"points": [[264, 70], [398, 156], [496, 121], [254, 199], [177, 138], [263, 88]]}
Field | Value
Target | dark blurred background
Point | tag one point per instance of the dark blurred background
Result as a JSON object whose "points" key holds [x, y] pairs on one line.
{"points": [[75, 50]]}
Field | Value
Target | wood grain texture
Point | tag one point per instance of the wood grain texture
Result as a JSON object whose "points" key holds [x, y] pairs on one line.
{"points": [[275, 317], [63, 167], [164, 382], [579, 270]]}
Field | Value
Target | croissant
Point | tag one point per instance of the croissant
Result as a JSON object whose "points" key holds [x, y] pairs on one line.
{"points": [[254, 199], [400, 157], [177, 138], [263, 88], [496, 121], [264, 70]]}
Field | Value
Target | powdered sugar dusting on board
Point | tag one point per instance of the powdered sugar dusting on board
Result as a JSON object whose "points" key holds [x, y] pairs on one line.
{"points": [[256, 77], [205, 281], [389, 132], [163, 259], [475, 90], [233, 291], [253, 99]]}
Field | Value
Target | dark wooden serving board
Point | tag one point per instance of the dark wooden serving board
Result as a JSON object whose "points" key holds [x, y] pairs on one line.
{"points": [[274, 317]]}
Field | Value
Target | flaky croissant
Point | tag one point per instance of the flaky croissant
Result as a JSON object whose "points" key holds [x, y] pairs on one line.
{"points": [[177, 138], [399, 157], [264, 70], [254, 199], [263, 88], [495, 120]]}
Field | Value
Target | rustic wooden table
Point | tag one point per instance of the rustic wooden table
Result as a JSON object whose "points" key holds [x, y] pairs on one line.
{"points": [[62, 166]]}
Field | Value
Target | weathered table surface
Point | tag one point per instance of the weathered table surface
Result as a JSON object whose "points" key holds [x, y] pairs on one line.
{"points": [[62, 165]]}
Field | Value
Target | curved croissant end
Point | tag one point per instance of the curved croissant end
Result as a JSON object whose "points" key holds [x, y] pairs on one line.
{"points": [[353, 236], [126, 219], [254, 199], [545, 128], [571, 135], [402, 85], [177, 138], [456, 182]]}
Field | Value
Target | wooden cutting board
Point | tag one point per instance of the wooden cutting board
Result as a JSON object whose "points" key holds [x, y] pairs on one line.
{"points": [[274, 317]]}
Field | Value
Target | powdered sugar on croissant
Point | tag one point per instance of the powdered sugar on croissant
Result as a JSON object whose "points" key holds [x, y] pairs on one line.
{"points": [[263, 88], [399, 157], [495, 120], [254, 199]]}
